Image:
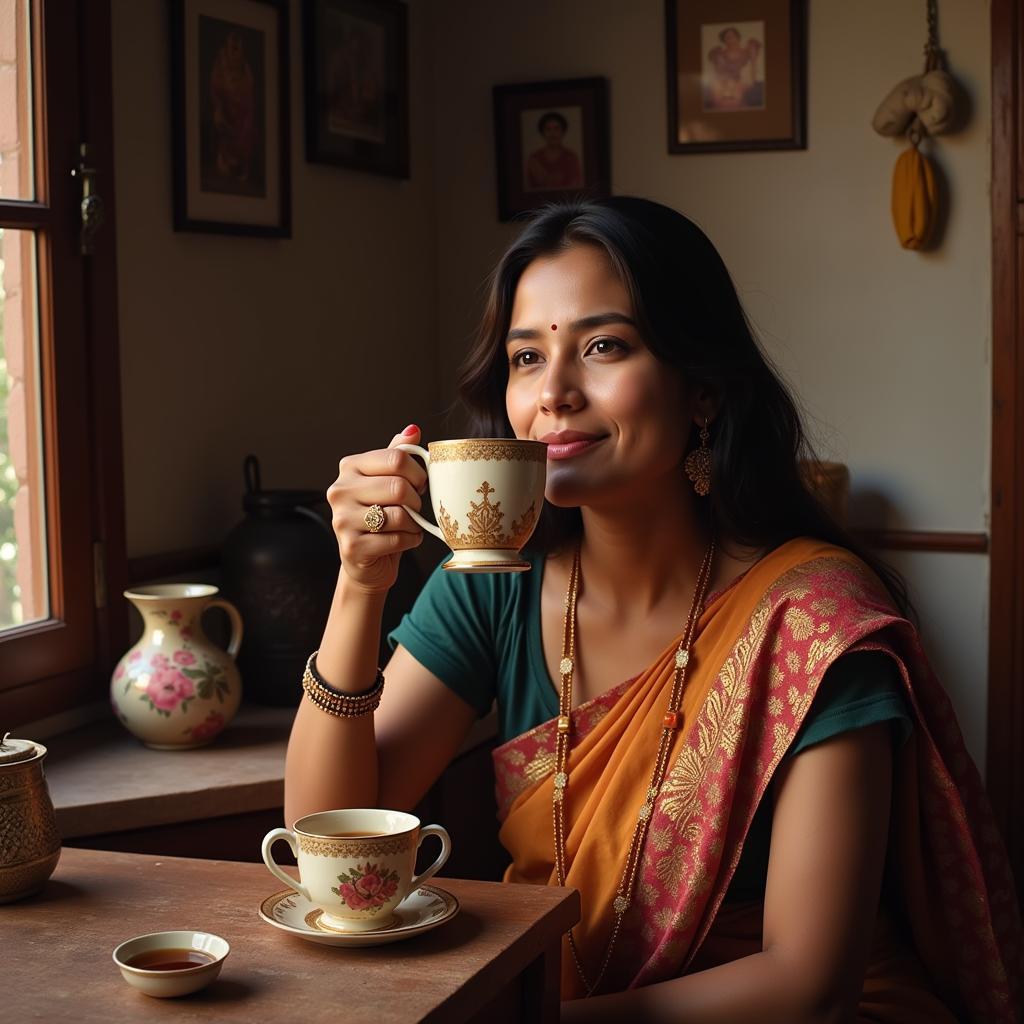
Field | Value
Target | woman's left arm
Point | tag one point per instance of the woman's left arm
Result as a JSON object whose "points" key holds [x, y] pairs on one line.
{"points": [[829, 833]]}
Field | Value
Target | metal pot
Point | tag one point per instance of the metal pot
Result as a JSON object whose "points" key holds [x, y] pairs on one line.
{"points": [[29, 841]]}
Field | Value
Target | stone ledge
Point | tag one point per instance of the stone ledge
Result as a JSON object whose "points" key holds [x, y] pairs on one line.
{"points": [[103, 780]]}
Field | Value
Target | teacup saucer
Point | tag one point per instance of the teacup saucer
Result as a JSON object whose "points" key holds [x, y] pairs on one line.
{"points": [[426, 908]]}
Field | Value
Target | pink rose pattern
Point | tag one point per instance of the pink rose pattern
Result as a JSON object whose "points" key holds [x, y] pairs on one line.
{"points": [[168, 688], [366, 888], [175, 618], [169, 682], [176, 680], [208, 728]]}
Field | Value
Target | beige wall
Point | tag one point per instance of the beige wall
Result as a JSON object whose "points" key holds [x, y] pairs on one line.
{"points": [[888, 349], [231, 345]]}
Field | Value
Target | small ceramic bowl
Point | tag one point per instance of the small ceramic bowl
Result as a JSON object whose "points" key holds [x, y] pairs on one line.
{"points": [[164, 983]]}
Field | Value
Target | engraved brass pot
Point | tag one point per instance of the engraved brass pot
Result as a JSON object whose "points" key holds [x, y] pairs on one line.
{"points": [[29, 841]]}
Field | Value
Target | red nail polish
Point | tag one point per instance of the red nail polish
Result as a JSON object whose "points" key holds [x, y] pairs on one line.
{"points": [[410, 430]]}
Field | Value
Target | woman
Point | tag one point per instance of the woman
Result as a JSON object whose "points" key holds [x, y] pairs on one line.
{"points": [[735, 81], [554, 165], [718, 722]]}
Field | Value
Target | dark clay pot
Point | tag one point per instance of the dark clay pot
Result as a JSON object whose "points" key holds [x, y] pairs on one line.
{"points": [[280, 567]]}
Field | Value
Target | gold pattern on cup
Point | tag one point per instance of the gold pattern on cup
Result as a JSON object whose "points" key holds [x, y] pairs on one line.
{"points": [[492, 449], [377, 846], [485, 518]]}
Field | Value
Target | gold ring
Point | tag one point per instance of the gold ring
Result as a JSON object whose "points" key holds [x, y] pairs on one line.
{"points": [[374, 519]]}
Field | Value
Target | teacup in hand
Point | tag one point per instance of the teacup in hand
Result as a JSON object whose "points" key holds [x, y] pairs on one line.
{"points": [[487, 495], [356, 865]]}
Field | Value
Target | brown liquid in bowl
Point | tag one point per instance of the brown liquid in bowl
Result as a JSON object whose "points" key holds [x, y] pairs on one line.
{"points": [[170, 959]]}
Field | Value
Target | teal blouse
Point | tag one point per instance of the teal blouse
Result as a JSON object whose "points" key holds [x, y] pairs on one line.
{"points": [[480, 634]]}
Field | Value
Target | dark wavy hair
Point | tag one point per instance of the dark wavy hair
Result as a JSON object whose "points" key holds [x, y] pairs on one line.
{"points": [[689, 315]]}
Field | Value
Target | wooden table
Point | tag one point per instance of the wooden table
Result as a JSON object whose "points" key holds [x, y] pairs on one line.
{"points": [[498, 960]]}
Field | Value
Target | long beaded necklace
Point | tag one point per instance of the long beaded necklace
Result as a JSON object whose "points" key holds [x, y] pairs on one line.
{"points": [[670, 723]]}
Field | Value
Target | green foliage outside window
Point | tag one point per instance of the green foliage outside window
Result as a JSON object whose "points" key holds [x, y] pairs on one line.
{"points": [[10, 604]]}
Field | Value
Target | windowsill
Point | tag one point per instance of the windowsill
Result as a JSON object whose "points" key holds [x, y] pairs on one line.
{"points": [[102, 779]]}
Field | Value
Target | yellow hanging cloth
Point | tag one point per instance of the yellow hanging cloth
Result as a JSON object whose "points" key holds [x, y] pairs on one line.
{"points": [[914, 200]]}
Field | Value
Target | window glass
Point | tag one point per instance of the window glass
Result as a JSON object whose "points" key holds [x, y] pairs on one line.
{"points": [[16, 145], [23, 563]]}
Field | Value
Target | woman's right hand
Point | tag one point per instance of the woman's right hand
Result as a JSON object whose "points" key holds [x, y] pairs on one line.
{"points": [[391, 479]]}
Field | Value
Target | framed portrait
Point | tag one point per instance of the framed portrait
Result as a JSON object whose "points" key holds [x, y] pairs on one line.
{"points": [[737, 75], [551, 141], [229, 115], [356, 71]]}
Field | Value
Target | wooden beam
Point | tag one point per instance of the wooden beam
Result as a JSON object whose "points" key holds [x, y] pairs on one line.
{"points": [[925, 540], [1005, 768]]}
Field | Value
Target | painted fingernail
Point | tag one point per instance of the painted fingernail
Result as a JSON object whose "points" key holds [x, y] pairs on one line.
{"points": [[410, 430]]}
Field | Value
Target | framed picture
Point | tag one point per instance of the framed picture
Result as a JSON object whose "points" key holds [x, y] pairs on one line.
{"points": [[356, 61], [551, 140], [737, 74], [229, 114]]}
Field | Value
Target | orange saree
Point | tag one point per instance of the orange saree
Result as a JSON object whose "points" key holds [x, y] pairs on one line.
{"points": [[763, 646]]}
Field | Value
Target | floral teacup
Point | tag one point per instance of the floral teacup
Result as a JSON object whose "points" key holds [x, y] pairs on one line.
{"points": [[357, 865]]}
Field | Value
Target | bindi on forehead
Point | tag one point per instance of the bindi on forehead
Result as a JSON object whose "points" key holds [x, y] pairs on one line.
{"points": [[554, 327]]}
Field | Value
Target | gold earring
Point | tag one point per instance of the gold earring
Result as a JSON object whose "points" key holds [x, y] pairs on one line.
{"points": [[698, 464]]}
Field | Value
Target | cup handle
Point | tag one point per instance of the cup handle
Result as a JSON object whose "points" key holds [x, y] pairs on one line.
{"points": [[275, 869], [446, 849], [236, 624], [415, 449]]}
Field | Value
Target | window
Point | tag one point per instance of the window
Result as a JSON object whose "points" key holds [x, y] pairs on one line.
{"points": [[61, 532]]}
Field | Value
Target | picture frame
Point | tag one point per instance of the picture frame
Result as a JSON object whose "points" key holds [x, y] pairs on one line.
{"points": [[230, 147], [551, 142], [737, 75], [356, 84]]}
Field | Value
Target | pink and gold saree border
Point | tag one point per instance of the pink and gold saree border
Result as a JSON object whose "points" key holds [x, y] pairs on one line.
{"points": [[808, 617], [530, 757], [813, 613]]}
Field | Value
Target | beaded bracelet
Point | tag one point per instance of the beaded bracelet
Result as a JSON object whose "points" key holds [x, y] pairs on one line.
{"points": [[323, 684], [334, 702]]}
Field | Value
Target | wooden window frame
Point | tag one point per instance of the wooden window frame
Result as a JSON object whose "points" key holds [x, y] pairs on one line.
{"points": [[64, 661], [1005, 758]]}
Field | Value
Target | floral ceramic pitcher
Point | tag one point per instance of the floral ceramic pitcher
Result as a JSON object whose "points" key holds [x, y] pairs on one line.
{"points": [[175, 689]]}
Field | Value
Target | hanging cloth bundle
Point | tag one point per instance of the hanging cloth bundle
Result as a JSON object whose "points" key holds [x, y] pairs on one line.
{"points": [[923, 105], [914, 207]]}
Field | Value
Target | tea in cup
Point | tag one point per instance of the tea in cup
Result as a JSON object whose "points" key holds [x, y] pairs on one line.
{"points": [[487, 495], [356, 865]]}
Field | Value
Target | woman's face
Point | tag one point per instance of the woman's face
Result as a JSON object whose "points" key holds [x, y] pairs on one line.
{"points": [[580, 377], [552, 132]]}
